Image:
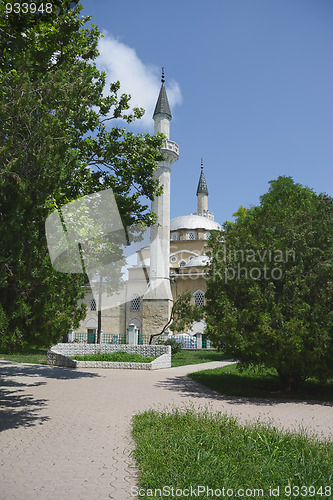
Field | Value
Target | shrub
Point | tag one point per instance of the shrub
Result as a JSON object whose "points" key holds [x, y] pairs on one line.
{"points": [[175, 346]]}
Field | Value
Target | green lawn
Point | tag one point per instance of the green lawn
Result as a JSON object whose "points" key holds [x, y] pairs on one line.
{"points": [[181, 449], [119, 356], [230, 382], [192, 357], [31, 355]]}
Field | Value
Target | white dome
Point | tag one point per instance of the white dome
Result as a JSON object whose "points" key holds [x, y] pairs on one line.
{"points": [[194, 222]]}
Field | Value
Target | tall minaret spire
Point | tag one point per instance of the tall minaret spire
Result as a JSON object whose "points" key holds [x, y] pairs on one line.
{"points": [[202, 196], [158, 297], [162, 114]]}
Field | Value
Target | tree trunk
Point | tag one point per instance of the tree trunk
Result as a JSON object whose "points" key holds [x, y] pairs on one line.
{"points": [[99, 314], [290, 382]]}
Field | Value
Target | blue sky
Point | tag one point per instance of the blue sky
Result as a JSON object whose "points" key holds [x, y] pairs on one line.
{"points": [[250, 84]]}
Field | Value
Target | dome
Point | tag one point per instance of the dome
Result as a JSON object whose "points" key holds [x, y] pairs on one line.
{"points": [[194, 222]]}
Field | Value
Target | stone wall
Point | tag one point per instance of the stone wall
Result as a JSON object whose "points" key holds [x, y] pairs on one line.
{"points": [[64, 355], [156, 314]]}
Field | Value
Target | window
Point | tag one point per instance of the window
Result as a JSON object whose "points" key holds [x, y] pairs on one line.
{"points": [[174, 236], [182, 263], [207, 235], [92, 304], [199, 298], [191, 235], [135, 302]]}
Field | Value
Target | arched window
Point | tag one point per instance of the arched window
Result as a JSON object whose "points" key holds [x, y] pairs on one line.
{"points": [[199, 298], [191, 235], [92, 304], [135, 302]]}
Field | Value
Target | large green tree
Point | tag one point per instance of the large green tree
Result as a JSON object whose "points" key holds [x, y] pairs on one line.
{"points": [[56, 145], [270, 291]]}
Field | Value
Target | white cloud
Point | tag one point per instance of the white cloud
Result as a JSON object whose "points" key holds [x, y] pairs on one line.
{"points": [[141, 81]]}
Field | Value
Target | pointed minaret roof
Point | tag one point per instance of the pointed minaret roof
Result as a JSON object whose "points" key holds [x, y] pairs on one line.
{"points": [[202, 186], [162, 105]]}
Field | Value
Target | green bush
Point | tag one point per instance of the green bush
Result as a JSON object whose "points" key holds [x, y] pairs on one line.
{"points": [[175, 346], [269, 293]]}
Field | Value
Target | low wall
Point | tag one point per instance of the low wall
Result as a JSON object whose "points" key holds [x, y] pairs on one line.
{"points": [[63, 354]]}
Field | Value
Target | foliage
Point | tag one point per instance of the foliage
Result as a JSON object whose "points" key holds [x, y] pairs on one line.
{"points": [[269, 294], [175, 346], [56, 145], [183, 314], [183, 448], [241, 212]]}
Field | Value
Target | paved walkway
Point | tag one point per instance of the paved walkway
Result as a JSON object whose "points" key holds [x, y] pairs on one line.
{"points": [[66, 433]]}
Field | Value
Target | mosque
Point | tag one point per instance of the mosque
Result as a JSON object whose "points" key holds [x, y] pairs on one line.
{"points": [[173, 261]]}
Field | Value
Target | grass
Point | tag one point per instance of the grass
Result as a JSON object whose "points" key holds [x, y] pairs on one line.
{"points": [[184, 449], [119, 356], [38, 356], [32, 355], [192, 357], [263, 384]]}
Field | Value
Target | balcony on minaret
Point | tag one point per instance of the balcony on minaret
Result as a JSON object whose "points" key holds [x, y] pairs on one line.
{"points": [[171, 150]]}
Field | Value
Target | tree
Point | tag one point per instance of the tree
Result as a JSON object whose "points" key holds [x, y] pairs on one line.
{"points": [[55, 146], [182, 315], [270, 290]]}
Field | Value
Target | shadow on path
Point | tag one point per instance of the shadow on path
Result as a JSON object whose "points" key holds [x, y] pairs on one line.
{"points": [[18, 407], [11, 369], [20, 410]]}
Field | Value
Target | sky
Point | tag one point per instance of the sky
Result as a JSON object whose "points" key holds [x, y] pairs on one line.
{"points": [[250, 86]]}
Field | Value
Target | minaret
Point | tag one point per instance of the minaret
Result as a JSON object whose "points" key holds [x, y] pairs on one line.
{"points": [[202, 196], [157, 301]]}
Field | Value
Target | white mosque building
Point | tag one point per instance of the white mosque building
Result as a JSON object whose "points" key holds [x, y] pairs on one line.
{"points": [[175, 261]]}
